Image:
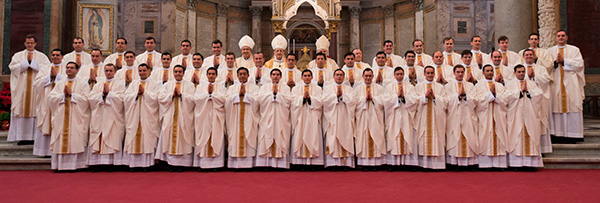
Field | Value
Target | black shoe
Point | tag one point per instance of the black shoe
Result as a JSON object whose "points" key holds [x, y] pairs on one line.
{"points": [[25, 142]]}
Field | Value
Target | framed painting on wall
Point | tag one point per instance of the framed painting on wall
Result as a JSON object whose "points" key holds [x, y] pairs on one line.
{"points": [[95, 25]]}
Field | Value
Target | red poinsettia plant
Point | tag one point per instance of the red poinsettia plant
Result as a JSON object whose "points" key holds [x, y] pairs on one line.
{"points": [[5, 100]]}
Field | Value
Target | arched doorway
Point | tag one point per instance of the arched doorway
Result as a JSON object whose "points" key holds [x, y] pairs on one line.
{"points": [[303, 30]]}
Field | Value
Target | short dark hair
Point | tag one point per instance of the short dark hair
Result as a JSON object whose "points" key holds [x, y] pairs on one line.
{"points": [[216, 41], [367, 69], [198, 54], [466, 52], [517, 67], [534, 34], [388, 41], [457, 67], [416, 40], [321, 54], [150, 38], [72, 62], [273, 70], [502, 38], [242, 68], [212, 68], [166, 54], [179, 66], [129, 52], [409, 52], [380, 52], [57, 49], [82, 41], [528, 49], [144, 65], [475, 36], [30, 36], [398, 68], [426, 67], [339, 69], [446, 39], [185, 40], [122, 39], [111, 65], [349, 54], [306, 70], [230, 54], [98, 50], [487, 65], [561, 30], [292, 54]]}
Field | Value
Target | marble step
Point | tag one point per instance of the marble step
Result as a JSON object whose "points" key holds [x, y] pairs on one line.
{"points": [[572, 162], [584, 148], [25, 162], [591, 136], [12, 149]]}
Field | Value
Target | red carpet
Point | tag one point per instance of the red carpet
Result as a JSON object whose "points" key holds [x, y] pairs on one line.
{"points": [[355, 186]]}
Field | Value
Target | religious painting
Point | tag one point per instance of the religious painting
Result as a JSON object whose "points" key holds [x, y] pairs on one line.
{"points": [[462, 28], [96, 26], [305, 34]]}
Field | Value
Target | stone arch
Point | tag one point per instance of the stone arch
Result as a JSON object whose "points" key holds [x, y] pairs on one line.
{"points": [[293, 10]]}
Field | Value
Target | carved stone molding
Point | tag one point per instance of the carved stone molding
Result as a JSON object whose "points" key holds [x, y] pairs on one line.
{"points": [[388, 10], [547, 22], [419, 4], [256, 10], [222, 9], [192, 4], [278, 27], [354, 11]]}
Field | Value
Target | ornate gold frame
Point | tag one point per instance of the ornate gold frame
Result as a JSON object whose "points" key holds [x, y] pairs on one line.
{"points": [[111, 25]]}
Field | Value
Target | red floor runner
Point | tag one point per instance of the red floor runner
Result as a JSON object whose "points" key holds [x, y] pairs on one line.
{"points": [[354, 186]]}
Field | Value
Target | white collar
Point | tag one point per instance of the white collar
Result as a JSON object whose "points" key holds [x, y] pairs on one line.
{"points": [[129, 67], [564, 46], [475, 51], [348, 67], [110, 80], [71, 79], [428, 82], [166, 68], [448, 53]]}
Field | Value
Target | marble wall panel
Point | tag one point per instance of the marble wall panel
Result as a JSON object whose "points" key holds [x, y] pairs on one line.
{"points": [[205, 34], [237, 29], [405, 32], [371, 39], [430, 35]]}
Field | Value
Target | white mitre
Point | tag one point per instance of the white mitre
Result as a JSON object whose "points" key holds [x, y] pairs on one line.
{"points": [[279, 42], [322, 43], [246, 41]]}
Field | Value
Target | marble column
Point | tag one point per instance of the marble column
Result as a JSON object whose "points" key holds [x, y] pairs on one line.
{"points": [[222, 24], [256, 35], [191, 23], [419, 29], [513, 18], [547, 22], [388, 12], [56, 28], [130, 19], [354, 27], [333, 39]]}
